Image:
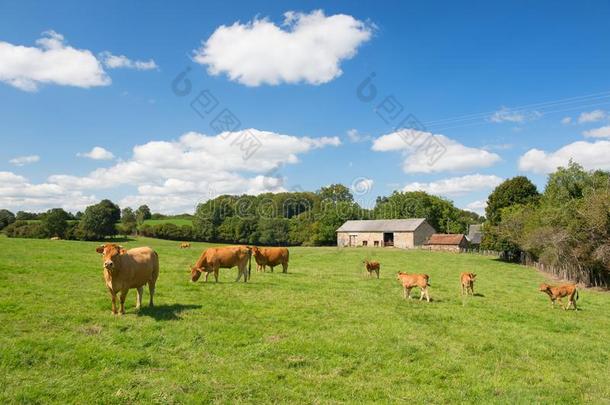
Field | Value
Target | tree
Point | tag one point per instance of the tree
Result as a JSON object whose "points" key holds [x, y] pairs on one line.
{"points": [[143, 213], [6, 218], [99, 220], [55, 221], [128, 221], [518, 190], [336, 193]]}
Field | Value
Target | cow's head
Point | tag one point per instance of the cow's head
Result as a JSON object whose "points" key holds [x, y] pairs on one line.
{"points": [[544, 287], [472, 276], [255, 251], [195, 273], [110, 253]]}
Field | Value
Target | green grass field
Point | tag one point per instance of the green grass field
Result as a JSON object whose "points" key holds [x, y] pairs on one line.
{"points": [[323, 333], [175, 221]]}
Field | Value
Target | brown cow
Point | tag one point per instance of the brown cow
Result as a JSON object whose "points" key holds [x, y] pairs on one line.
{"points": [[185, 245], [372, 266], [126, 269], [557, 293], [270, 256], [467, 281], [215, 258], [409, 281]]}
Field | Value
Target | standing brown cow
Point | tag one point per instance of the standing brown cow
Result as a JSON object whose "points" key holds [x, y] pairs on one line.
{"points": [[215, 258], [126, 269], [185, 245], [271, 256], [557, 293], [467, 281], [409, 281], [372, 266]]}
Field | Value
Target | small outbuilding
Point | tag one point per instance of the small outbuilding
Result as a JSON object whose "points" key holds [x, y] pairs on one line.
{"points": [[401, 233], [475, 234], [447, 241]]}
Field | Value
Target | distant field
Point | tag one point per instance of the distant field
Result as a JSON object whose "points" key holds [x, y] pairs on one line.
{"points": [[175, 221], [323, 333]]}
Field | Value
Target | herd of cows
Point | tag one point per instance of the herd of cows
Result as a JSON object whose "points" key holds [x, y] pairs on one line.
{"points": [[134, 268]]}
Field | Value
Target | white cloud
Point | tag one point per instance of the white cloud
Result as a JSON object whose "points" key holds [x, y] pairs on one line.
{"points": [[173, 176], [505, 114], [361, 186], [477, 206], [97, 153], [591, 155], [425, 153], [602, 132], [17, 193], [24, 160], [456, 186], [52, 61], [566, 120], [355, 137], [591, 116], [305, 48], [120, 61]]}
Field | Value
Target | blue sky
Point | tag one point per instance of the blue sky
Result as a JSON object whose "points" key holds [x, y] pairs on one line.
{"points": [[505, 88]]}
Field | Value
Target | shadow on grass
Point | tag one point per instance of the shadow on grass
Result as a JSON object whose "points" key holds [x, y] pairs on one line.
{"points": [[478, 295], [166, 312]]}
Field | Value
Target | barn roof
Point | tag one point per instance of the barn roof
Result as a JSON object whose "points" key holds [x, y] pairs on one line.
{"points": [[382, 225], [445, 239], [474, 234]]}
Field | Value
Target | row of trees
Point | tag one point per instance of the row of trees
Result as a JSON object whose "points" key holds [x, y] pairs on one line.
{"points": [[312, 218], [296, 218], [566, 227]]}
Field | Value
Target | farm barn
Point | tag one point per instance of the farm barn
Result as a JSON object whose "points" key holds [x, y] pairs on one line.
{"points": [[401, 233], [475, 234], [448, 242]]}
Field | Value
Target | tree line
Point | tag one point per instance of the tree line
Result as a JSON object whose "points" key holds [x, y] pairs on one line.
{"points": [[290, 218], [567, 226]]}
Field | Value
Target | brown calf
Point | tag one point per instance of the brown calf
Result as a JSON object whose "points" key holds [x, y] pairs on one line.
{"points": [[270, 256], [409, 281], [372, 266], [185, 245], [557, 293], [467, 281]]}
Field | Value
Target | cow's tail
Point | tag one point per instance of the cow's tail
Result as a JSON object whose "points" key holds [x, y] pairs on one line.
{"points": [[155, 272], [249, 262], [428, 281]]}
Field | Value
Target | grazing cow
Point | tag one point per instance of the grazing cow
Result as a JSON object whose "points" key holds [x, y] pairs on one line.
{"points": [[55, 238], [215, 258], [557, 293], [185, 245], [372, 266], [467, 281], [270, 256], [126, 269], [409, 281]]}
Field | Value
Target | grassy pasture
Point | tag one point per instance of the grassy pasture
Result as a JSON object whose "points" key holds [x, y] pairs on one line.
{"points": [[175, 221], [321, 334]]}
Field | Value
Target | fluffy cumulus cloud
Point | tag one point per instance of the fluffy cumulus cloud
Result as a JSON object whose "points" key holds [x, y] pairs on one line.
{"points": [[477, 206], [425, 152], [17, 193], [305, 48], [602, 132], [24, 160], [173, 176], [591, 155], [566, 120], [97, 153], [591, 116], [51, 61], [456, 186], [120, 61]]}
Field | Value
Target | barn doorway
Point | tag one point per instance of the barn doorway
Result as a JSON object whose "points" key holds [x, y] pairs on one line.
{"points": [[352, 240], [388, 239]]}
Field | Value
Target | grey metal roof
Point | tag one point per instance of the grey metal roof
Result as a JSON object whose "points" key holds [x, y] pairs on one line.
{"points": [[475, 233], [382, 225]]}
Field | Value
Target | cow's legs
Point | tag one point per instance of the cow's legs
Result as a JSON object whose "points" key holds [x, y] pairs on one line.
{"points": [[409, 293], [422, 293], [151, 292], [140, 292], [404, 292], [272, 268], [472, 288], [113, 300], [377, 271], [216, 275], [123, 296], [285, 267], [427, 294], [463, 289], [239, 273]]}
